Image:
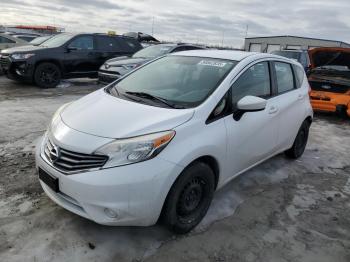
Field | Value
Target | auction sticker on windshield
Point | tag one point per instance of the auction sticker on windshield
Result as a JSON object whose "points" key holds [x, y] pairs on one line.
{"points": [[211, 63]]}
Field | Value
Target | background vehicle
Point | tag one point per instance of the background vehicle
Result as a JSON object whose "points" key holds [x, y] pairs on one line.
{"points": [[329, 80], [39, 40], [64, 56], [159, 142], [117, 67], [8, 41], [301, 56], [26, 37]]}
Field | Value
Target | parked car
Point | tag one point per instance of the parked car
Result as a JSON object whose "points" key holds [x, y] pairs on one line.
{"points": [[329, 79], [7, 41], [25, 37], [158, 142], [39, 40], [117, 67], [301, 56], [64, 56]]}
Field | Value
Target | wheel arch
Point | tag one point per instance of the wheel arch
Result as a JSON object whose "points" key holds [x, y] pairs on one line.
{"points": [[213, 164], [53, 61]]}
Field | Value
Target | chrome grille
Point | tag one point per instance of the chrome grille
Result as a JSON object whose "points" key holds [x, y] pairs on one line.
{"points": [[69, 161]]}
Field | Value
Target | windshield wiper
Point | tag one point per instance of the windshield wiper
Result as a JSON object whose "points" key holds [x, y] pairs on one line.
{"points": [[152, 97]]}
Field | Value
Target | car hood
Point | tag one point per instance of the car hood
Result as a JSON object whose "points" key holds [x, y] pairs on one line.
{"points": [[103, 115], [23, 49], [329, 56]]}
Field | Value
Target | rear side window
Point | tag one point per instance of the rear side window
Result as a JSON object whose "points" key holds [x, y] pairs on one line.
{"points": [[107, 43], [82, 43], [253, 82], [299, 75], [4, 40], [284, 77], [128, 45]]}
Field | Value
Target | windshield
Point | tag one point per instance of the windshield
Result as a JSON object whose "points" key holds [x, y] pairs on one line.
{"points": [[290, 55], [57, 40], [182, 81], [39, 40], [153, 51]]}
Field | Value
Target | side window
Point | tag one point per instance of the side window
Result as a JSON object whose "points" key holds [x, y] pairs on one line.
{"points": [[4, 40], [107, 43], [82, 43], [299, 75], [284, 76], [254, 82]]}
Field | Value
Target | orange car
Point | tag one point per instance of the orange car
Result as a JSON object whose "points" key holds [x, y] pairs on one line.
{"points": [[329, 79]]}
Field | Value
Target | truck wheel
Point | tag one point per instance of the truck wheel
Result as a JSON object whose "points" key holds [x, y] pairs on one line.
{"points": [[47, 75], [189, 198], [300, 142]]}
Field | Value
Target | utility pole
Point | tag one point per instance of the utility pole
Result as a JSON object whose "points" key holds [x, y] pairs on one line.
{"points": [[223, 37], [152, 25], [246, 31]]}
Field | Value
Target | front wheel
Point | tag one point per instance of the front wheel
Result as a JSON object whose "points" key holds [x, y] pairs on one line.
{"points": [[300, 142], [47, 75], [189, 198]]}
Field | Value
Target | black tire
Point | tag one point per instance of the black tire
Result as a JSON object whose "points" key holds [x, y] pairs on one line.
{"points": [[300, 141], [47, 75], [189, 198]]}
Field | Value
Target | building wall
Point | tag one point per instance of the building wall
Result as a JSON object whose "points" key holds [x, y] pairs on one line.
{"points": [[271, 43]]}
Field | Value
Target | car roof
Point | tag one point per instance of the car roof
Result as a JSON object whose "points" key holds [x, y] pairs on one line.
{"points": [[220, 54]]}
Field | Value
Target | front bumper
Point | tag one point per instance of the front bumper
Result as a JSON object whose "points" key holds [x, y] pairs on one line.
{"points": [[17, 69], [329, 102], [107, 77], [135, 193]]}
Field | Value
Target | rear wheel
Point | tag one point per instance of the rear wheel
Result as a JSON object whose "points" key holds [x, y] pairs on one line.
{"points": [[47, 75], [189, 198], [300, 142]]}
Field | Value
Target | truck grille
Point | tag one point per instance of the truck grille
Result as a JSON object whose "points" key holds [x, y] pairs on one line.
{"points": [[72, 162]]}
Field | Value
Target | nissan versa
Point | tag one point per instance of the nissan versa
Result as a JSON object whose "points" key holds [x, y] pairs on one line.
{"points": [[157, 143]]}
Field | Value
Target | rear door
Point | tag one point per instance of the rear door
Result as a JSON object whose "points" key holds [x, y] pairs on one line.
{"points": [[81, 57], [252, 138], [289, 102]]}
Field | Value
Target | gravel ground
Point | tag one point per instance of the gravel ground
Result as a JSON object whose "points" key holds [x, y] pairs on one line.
{"points": [[282, 210]]}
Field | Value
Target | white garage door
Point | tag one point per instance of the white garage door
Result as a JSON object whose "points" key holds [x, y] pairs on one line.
{"points": [[294, 47], [255, 48], [271, 48]]}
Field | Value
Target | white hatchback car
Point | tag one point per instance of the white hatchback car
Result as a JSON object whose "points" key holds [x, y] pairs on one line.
{"points": [[158, 142]]}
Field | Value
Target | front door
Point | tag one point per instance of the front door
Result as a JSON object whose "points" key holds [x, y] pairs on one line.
{"points": [[253, 137], [80, 57]]}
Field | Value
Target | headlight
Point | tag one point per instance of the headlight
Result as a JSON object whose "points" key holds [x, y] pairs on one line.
{"points": [[21, 56], [131, 66], [136, 149]]}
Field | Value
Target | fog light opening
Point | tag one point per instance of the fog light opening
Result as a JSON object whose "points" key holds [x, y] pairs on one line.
{"points": [[110, 213]]}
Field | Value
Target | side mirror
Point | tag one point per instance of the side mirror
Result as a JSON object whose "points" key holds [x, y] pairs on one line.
{"points": [[249, 104]]}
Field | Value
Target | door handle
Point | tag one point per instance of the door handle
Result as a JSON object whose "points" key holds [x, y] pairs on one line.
{"points": [[300, 96], [273, 110]]}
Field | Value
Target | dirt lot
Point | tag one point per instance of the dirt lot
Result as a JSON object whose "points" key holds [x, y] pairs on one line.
{"points": [[281, 210]]}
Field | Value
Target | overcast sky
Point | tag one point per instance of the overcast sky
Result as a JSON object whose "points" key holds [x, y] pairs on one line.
{"points": [[202, 21]]}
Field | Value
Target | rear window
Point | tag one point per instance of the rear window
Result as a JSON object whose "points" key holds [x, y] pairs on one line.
{"points": [[284, 75], [299, 75]]}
